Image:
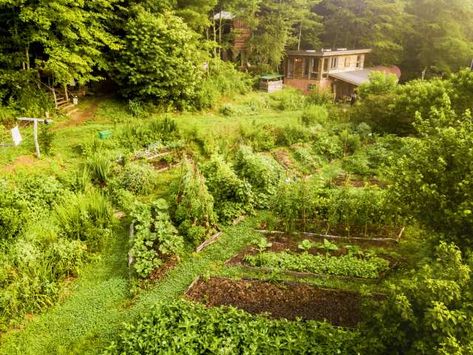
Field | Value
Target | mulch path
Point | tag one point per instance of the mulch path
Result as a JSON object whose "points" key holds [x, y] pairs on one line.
{"points": [[280, 300]]}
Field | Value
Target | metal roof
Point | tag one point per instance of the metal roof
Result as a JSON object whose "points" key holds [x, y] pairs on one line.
{"points": [[358, 77], [327, 53], [224, 15]]}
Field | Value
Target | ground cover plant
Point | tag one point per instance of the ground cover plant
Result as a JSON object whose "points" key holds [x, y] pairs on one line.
{"points": [[182, 326], [155, 240]]}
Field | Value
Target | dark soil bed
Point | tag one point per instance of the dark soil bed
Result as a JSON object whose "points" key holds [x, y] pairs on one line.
{"points": [[280, 300]]}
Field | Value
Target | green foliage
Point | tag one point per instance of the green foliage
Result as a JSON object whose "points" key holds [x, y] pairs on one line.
{"points": [[193, 209], [314, 114], [429, 312], [345, 265], [12, 216], [63, 40], [435, 174], [261, 172], [85, 216], [380, 83], [46, 139], [142, 134], [137, 178], [180, 324], [288, 99], [222, 79], [99, 167], [327, 246], [260, 137], [31, 274], [304, 203], [161, 60], [155, 240], [262, 244], [232, 196]]}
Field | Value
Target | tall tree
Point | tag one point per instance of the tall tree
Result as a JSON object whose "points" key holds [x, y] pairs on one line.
{"points": [[63, 39], [378, 24], [281, 24], [442, 40]]}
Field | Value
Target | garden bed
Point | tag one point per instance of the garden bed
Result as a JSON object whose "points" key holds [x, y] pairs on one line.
{"points": [[280, 300], [284, 244], [295, 237]]}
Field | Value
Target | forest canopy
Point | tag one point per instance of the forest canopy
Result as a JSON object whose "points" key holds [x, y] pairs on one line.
{"points": [[78, 42]]}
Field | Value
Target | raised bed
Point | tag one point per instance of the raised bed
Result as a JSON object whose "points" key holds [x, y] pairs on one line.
{"points": [[381, 237], [290, 244], [280, 300]]}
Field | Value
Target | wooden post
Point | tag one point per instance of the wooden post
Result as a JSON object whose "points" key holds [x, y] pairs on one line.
{"points": [[35, 133], [35, 130], [55, 97], [66, 94]]}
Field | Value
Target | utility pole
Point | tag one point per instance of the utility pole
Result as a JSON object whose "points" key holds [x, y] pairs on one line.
{"points": [[35, 130]]}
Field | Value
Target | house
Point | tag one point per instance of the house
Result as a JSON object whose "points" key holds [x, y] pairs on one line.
{"points": [[233, 34], [340, 71]]}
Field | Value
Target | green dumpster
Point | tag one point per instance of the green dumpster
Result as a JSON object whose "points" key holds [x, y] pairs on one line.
{"points": [[105, 134]]}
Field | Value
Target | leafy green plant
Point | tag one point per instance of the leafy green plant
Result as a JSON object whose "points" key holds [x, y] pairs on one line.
{"points": [[193, 205], [314, 114], [137, 178], [155, 240], [232, 196], [262, 173], [287, 100], [46, 139], [262, 244], [99, 168], [199, 329], [85, 216], [427, 312], [345, 265], [327, 246], [305, 245]]}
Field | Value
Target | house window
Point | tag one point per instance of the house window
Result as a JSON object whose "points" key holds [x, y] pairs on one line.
{"points": [[334, 63], [347, 62], [359, 61], [325, 65]]}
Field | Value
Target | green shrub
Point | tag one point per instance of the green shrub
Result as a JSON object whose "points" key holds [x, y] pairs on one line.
{"points": [[12, 213], [260, 137], [155, 240], [289, 135], [314, 114], [222, 79], [262, 172], [328, 145], [233, 196], [137, 178], [193, 209], [85, 216], [141, 134], [304, 155], [288, 99], [427, 312], [319, 97], [197, 329], [357, 164]]}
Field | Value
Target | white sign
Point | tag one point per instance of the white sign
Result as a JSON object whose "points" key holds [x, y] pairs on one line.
{"points": [[16, 136]]}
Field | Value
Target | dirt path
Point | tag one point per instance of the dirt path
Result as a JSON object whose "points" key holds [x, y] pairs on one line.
{"points": [[80, 116]]}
